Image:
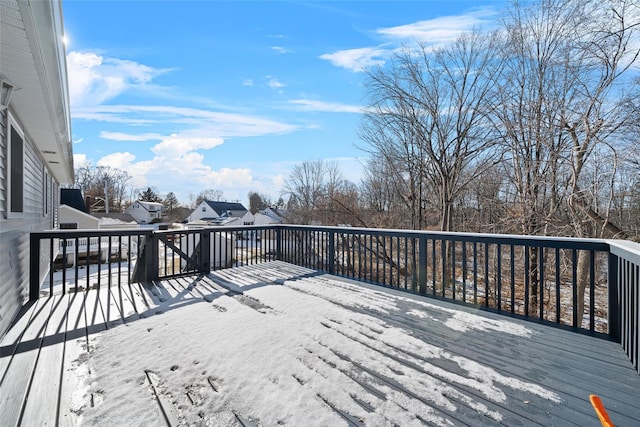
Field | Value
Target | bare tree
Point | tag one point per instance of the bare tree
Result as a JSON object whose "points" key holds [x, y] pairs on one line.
{"points": [[304, 188], [210, 194], [428, 116], [318, 193], [564, 96], [103, 183]]}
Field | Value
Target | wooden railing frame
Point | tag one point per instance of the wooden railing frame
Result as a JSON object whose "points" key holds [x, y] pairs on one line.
{"points": [[337, 250]]}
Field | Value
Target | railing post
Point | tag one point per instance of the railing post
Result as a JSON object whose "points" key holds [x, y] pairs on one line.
{"points": [[34, 267], [331, 249], [151, 261], [613, 311], [205, 251], [422, 265], [278, 244]]}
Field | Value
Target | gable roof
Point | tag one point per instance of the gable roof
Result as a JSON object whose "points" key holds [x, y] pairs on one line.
{"points": [[124, 217], [223, 207], [148, 205]]}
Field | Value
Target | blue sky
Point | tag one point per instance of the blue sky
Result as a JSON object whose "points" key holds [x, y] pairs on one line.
{"points": [[230, 95]]}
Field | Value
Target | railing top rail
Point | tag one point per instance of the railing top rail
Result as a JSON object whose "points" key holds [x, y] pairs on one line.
{"points": [[70, 234], [626, 249], [546, 241]]}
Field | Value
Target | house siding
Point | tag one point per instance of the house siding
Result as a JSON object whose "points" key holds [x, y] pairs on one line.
{"points": [[3, 161], [14, 232]]}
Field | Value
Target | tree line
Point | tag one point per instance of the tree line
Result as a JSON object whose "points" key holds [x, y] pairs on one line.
{"points": [[531, 128]]}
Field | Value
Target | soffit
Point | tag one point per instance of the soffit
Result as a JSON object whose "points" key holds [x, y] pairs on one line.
{"points": [[32, 58]]}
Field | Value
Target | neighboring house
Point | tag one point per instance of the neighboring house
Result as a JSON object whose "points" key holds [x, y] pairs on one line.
{"points": [[145, 212], [221, 213], [269, 216], [73, 214], [35, 139], [72, 218]]}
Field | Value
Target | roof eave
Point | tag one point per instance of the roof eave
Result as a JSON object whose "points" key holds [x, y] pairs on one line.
{"points": [[43, 21]]}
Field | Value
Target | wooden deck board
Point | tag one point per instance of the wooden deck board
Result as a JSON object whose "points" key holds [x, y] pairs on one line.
{"points": [[45, 353], [73, 372], [573, 373], [15, 385], [46, 379]]}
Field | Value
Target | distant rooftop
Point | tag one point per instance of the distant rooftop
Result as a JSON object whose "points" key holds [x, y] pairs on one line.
{"points": [[222, 207], [72, 197]]}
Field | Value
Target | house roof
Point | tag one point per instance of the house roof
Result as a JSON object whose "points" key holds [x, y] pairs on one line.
{"points": [[72, 197], [33, 59], [124, 217], [274, 214], [148, 205], [222, 207]]}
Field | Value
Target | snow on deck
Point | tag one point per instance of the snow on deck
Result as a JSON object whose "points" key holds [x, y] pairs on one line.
{"points": [[276, 344]]}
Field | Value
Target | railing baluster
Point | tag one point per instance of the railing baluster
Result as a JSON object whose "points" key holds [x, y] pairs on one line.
{"points": [[434, 268], [406, 262], [109, 264], [453, 270], [398, 261], [64, 266], [475, 273], [443, 270], [464, 271], [541, 282], [51, 264], [527, 279], [558, 285], [119, 262], [512, 254], [76, 268], [592, 290], [499, 274], [574, 285], [487, 291]]}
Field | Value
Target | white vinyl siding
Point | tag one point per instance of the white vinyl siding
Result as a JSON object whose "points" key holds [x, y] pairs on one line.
{"points": [[14, 232]]}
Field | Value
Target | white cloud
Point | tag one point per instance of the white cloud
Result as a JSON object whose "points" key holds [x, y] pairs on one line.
{"points": [[94, 79], [432, 32], [119, 136], [79, 159], [117, 160], [320, 106], [177, 145], [247, 82], [280, 49], [440, 30], [275, 83], [214, 123], [357, 59]]}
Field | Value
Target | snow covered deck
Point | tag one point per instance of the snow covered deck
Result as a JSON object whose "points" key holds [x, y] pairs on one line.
{"points": [[277, 344]]}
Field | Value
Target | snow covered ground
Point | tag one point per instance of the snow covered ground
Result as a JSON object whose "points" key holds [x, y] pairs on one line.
{"points": [[300, 351]]}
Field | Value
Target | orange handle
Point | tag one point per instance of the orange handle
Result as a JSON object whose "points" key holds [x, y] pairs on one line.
{"points": [[602, 413]]}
